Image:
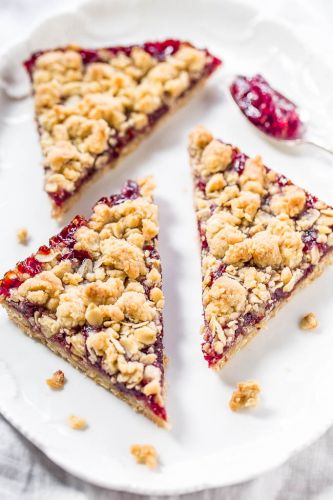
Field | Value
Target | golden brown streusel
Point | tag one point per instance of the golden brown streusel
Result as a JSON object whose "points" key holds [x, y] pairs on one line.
{"points": [[309, 322], [145, 454], [57, 381], [81, 109], [22, 236], [246, 396], [77, 423]]}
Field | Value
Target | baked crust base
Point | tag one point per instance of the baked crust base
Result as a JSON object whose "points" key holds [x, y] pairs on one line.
{"points": [[59, 212], [88, 370], [253, 332]]}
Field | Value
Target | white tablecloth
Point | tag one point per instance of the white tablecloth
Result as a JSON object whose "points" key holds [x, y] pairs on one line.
{"points": [[25, 473]]}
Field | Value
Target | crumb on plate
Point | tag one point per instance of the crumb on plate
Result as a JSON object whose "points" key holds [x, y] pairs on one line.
{"points": [[77, 423], [145, 454], [57, 381], [245, 396], [309, 322], [22, 236]]}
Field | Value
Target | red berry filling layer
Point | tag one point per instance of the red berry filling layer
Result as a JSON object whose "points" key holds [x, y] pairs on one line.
{"points": [[267, 108], [158, 50]]}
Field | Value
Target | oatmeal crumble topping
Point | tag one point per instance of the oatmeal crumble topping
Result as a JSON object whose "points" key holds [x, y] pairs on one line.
{"points": [[96, 292], [57, 381], [91, 103], [246, 396], [145, 454], [260, 237], [309, 322], [77, 423], [22, 236]]}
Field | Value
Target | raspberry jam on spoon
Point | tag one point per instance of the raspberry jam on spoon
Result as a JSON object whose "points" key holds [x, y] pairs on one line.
{"points": [[271, 112], [266, 108]]}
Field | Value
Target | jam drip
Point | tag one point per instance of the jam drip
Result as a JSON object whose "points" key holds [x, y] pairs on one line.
{"points": [[10, 280], [66, 236], [266, 108], [129, 192], [60, 196], [203, 239], [216, 274], [157, 409], [31, 266], [66, 240], [238, 162]]}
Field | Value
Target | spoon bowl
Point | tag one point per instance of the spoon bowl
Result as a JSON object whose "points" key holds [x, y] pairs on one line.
{"points": [[271, 113]]}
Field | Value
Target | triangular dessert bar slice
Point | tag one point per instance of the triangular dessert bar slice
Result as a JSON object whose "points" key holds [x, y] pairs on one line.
{"points": [[262, 238], [94, 106], [93, 295]]}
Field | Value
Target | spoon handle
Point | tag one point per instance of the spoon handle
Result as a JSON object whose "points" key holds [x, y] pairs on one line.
{"points": [[317, 145]]}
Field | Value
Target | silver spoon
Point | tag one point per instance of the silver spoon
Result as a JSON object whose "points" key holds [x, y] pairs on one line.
{"points": [[305, 139]]}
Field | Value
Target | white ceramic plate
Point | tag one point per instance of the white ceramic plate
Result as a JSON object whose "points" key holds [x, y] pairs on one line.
{"points": [[208, 445]]}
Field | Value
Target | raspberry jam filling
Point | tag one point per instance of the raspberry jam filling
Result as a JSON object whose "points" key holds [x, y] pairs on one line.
{"points": [[66, 236], [216, 274], [267, 108], [247, 321], [9, 281], [63, 241], [158, 50], [238, 162], [30, 266], [129, 192]]}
